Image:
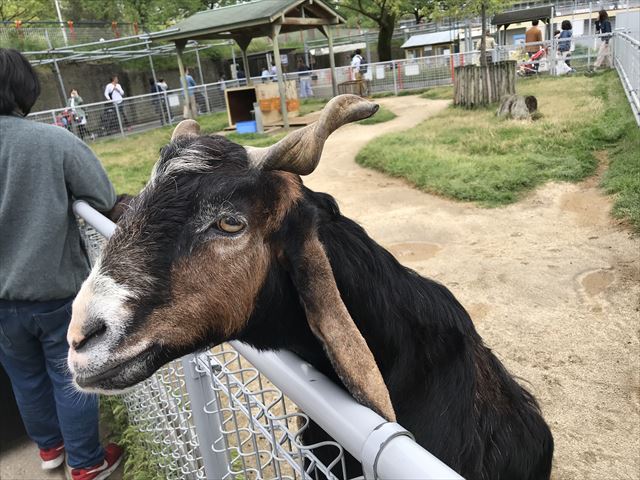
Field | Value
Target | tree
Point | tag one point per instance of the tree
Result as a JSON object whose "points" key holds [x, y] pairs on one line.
{"points": [[384, 13], [88, 10], [26, 10], [428, 10], [473, 8]]}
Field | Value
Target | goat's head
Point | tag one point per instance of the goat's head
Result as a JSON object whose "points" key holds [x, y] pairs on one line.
{"points": [[188, 259]]}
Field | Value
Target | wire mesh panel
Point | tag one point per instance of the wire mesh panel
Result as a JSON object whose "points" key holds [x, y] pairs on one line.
{"points": [[260, 428]]}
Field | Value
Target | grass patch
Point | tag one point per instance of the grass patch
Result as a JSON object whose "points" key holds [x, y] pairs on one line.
{"points": [[256, 139], [622, 136], [312, 105], [439, 93], [382, 94], [474, 156], [139, 464], [412, 91], [382, 115], [129, 160]]}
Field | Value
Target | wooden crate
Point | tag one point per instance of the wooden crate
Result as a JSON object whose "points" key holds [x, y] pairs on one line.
{"points": [[240, 102]]}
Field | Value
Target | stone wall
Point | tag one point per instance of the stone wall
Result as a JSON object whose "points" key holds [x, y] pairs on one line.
{"points": [[90, 80]]}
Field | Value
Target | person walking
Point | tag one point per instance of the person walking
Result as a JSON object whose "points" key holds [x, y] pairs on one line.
{"points": [[533, 41], [564, 42], [603, 28], [489, 44], [79, 116], [192, 105], [356, 62], [42, 169], [162, 84], [158, 99], [114, 92], [305, 79]]}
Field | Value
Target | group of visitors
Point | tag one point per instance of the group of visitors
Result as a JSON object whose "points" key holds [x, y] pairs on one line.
{"points": [[113, 114], [42, 170], [564, 39]]}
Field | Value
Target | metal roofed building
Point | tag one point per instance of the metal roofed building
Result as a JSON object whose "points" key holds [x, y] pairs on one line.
{"points": [[427, 44], [246, 21]]}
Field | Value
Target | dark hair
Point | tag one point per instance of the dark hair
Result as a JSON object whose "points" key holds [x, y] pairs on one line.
{"points": [[566, 25], [358, 52], [161, 79], [603, 15], [114, 75], [19, 84], [535, 22]]}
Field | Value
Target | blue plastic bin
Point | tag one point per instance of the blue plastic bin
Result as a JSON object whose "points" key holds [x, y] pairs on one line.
{"points": [[246, 127]]}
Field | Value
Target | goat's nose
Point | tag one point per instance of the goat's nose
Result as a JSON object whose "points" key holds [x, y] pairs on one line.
{"points": [[91, 333]]}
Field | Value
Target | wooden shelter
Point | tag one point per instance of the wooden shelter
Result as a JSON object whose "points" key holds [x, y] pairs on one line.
{"points": [[503, 20], [246, 21]]}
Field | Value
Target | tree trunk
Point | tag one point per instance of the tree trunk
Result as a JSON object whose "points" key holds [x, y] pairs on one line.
{"points": [[483, 39], [477, 86], [385, 34]]}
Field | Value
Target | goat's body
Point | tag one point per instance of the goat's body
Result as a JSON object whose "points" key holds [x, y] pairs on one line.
{"points": [[447, 388]]}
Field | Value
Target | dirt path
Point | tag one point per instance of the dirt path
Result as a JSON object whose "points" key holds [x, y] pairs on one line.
{"points": [[551, 282]]}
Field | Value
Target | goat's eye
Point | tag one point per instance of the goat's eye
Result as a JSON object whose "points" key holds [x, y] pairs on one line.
{"points": [[230, 224]]}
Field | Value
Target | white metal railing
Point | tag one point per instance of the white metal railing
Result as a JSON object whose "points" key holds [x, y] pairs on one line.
{"points": [[626, 57], [234, 412], [143, 112]]}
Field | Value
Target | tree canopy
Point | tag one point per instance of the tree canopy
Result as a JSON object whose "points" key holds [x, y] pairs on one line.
{"points": [[145, 12]]}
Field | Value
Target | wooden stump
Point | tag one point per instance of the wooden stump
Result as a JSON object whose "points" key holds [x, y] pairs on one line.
{"points": [[475, 86], [518, 107]]}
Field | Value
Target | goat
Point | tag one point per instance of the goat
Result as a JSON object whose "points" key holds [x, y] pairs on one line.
{"points": [[226, 243]]}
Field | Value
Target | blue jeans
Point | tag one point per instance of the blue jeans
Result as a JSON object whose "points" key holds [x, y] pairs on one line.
{"points": [[33, 351]]}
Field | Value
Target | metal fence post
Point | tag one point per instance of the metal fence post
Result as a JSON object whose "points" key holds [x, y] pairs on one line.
{"points": [[168, 107], [115, 105], [207, 424], [53, 115], [395, 80], [206, 98]]}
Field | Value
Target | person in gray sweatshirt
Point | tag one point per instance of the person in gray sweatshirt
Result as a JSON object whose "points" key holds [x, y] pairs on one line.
{"points": [[43, 169]]}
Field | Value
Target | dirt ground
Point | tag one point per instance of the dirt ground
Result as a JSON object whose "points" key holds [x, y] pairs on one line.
{"points": [[551, 282]]}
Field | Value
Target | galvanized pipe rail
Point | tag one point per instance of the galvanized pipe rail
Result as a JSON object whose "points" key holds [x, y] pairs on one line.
{"points": [[385, 449]]}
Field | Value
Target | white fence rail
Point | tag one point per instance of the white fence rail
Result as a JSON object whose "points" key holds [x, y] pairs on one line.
{"points": [[143, 112], [234, 412], [626, 43]]}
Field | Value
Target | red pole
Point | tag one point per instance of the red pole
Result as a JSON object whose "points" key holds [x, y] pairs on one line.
{"points": [[71, 29]]}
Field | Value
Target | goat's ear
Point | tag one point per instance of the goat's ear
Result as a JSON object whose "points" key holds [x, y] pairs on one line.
{"points": [[186, 128], [333, 326]]}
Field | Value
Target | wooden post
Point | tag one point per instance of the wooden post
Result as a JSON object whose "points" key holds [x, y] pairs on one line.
{"points": [[275, 30], [183, 81], [243, 43], [332, 61]]}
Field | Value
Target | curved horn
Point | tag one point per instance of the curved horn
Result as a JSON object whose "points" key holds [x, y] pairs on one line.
{"points": [[186, 128], [299, 152]]}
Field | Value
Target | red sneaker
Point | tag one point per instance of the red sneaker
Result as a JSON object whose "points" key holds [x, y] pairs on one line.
{"points": [[52, 457], [112, 458]]}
